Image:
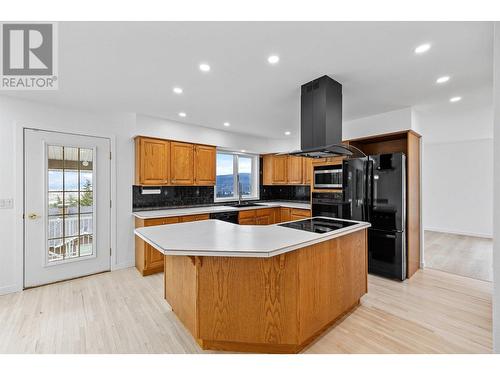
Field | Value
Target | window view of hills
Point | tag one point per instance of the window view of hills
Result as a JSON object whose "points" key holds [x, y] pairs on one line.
{"points": [[225, 185]]}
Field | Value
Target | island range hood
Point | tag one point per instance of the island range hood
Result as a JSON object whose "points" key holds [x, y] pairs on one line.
{"points": [[321, 120]]}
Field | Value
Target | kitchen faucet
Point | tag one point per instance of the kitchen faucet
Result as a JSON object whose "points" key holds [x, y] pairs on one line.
{"points": [[239, 187]]}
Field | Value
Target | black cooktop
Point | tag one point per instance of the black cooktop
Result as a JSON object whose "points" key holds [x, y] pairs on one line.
{"points": [[318, 225]]}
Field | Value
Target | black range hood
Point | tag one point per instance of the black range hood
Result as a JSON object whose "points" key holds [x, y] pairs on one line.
{"points": [[321, 120]]}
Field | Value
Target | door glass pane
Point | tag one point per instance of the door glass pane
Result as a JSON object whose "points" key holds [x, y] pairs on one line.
{"points": [[71, 225], [245, 172], [55, 227], [70, 203], [225, 179], [55, 203]]}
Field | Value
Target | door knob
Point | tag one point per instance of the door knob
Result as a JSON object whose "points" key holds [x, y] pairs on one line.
{"points": [[33, 216]]}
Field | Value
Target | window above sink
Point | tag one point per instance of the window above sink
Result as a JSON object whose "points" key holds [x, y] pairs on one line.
{"points": [[229, 165]]}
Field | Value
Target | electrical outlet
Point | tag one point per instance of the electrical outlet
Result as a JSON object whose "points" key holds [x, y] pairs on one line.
{"points": [[7, 203]]}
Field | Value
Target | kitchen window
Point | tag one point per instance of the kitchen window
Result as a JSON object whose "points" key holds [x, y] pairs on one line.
{"points": [[233, 167]]}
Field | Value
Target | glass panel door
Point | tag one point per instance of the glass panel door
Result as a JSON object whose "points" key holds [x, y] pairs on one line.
{"points": [[70, 196]]}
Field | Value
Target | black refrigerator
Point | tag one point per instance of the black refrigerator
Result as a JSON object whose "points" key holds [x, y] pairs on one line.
{"points": [[375, 188]]}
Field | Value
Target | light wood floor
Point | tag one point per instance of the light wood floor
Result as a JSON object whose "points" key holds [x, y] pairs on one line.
{"points": [[122, 312], [462, 255]]}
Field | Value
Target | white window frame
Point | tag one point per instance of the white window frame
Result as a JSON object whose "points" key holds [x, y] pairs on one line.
{"points": [[255, 177]]}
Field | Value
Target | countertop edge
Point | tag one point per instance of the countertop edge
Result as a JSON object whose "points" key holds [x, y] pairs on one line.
{"points": [[260, 254], [212, 209]]}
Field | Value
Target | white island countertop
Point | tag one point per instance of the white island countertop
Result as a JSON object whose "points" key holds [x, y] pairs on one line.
{"points": [[220, 238], [153, 214]]}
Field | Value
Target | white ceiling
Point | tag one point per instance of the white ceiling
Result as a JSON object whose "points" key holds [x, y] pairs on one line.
{"points": [[133, 66]]}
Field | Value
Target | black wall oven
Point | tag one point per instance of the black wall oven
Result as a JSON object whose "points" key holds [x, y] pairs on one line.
{"points": [[328, 177], [329, 205]]}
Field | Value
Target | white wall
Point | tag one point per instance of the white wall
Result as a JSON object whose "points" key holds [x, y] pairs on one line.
{"points": [[14, 114], [496, 220], [457, 164], [158, 127], [458, 187], [388, 122]]}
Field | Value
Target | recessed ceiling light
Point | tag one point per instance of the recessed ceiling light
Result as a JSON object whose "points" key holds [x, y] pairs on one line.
{"points": [[455, 99], [177, 90], [204, 67], [422, 48], [443, 79], [287, 133], [273, 59], [243, 150], [227, 124], [182, 114]]}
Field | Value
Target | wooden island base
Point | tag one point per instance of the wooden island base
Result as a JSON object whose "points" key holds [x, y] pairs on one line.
{"points": [[268, 305]]}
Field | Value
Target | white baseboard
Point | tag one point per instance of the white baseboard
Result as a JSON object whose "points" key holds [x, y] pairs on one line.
{"points": [[123, 265], [10, 289], [451, 231]]}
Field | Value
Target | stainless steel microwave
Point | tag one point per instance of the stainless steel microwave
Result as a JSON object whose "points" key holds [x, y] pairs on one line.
{"points": [[328, 177]]}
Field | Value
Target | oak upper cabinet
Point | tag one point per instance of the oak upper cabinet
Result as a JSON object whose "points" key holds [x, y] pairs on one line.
{"points": [[307, 170], [280, 169], [204, 165], [181, 163], [267, 169], [152, 158], [294, 170], [283, 170]]}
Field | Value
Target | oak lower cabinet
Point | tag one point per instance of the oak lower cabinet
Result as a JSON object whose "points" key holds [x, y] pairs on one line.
{"points": [[185, 219], [290, 214], [263, 216], [152, 161], [181, 163], [298, 214], [284, 214], [147, 259], [246, 221], [204, 165]]}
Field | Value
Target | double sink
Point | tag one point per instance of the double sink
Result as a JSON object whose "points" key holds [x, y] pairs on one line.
{"points": [[244, 204]]}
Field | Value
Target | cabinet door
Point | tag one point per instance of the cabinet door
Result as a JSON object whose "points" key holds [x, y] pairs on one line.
{"points": [[263, 220], [247, 221], [185, 219], [151, 161], [307, 170], [204, 165], [300, 212], [181, 163], [279, 169], [154, 258], [284, 214], [294, 170], [264, 216], [267, 169]]}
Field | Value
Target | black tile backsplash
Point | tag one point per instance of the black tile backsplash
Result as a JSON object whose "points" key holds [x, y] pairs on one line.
{"points": [[179, 196], [172, 196], [285, 193]]}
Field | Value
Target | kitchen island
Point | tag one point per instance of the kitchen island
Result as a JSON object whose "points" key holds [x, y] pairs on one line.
{"points": [[270, 289]]}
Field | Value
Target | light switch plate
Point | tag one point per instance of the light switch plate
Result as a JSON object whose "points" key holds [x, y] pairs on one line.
{"points": [[6, 203]]}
